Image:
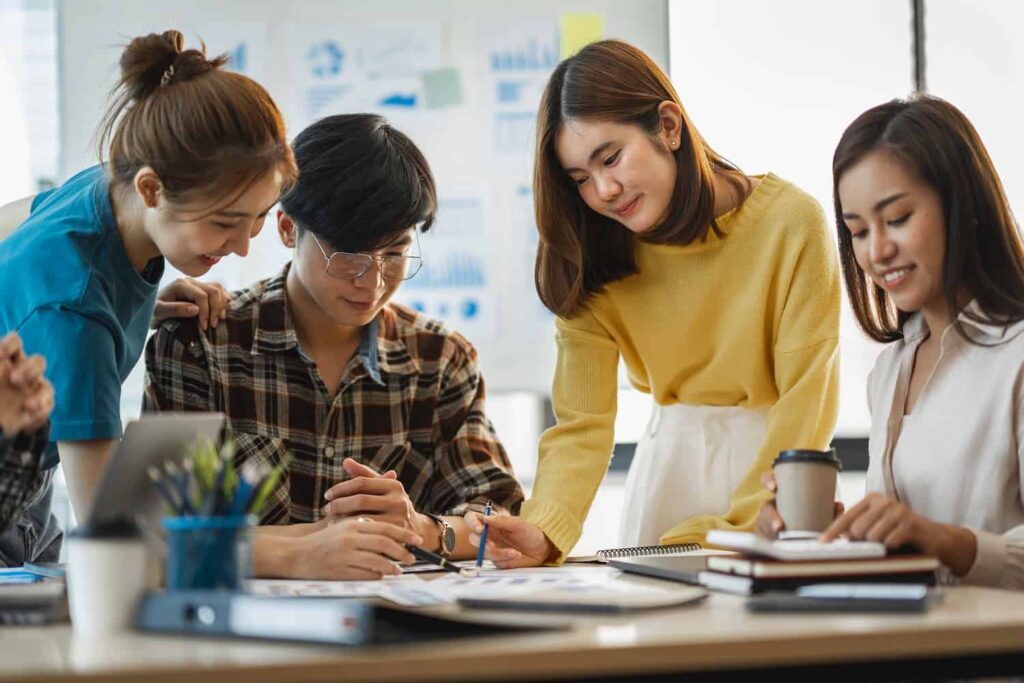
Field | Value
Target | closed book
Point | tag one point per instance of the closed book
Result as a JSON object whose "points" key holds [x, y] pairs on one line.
{"points": [[763, 568], [749, 585]]}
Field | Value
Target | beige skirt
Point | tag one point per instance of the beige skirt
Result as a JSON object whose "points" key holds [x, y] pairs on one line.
{"points": [[688, 463]]}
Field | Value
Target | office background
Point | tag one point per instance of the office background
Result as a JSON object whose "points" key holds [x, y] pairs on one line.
{"points": [[770, 85]]}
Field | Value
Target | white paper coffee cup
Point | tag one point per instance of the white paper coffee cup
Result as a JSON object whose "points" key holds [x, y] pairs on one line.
{"points": [[106, 574], [806, 488]]}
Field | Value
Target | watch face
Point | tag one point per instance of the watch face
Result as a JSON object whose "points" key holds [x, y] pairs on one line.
{"points": [[449, 538]]}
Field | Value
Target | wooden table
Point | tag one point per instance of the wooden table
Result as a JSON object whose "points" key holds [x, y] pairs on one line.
{"points": [[978, 630]]}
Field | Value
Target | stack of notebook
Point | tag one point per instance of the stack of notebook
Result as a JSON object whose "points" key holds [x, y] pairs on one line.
{"points": [[764, 565]]}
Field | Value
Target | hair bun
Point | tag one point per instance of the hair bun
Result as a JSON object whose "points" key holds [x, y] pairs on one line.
{"points": [[159, 59], [192, 63]]}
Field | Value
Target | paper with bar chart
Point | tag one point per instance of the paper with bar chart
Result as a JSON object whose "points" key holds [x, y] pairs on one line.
{"points": [[519, 57]]}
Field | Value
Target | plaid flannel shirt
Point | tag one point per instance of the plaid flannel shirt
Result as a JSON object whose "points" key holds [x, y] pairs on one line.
{"points": [[21, 473], [411, 399]]}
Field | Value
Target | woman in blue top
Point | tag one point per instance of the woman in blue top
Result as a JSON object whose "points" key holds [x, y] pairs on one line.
{"points": [[197, 156]]}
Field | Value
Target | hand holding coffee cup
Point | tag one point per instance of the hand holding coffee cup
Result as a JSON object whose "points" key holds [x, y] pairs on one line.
{"points": [[804, 482]]}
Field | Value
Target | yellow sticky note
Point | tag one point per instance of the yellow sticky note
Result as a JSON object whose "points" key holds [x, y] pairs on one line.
{"points": [[579, 30]]}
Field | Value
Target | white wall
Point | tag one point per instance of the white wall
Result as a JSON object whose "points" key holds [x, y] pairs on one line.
{"points": [[976, 61], [772, 86], [28, 85]]}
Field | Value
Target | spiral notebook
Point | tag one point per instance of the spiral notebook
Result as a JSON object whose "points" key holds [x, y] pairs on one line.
{"points": [[640, 551]]}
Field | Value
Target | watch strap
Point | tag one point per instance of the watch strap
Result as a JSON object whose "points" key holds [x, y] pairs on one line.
{"points": [[443, 530]]}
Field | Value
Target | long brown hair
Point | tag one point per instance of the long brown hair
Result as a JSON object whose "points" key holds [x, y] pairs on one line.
{"points": [[984, 250], [205, 131], [579, 250]]}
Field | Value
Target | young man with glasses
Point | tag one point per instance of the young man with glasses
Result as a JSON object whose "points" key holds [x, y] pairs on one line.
{"points": [[381, 409]]}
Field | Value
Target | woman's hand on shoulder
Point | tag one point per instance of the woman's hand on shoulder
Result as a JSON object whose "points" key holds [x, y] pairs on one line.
{"points": [[189, 298]]}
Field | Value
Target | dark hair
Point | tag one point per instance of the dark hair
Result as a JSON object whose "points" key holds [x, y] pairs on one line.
{"points": [[984, 250], [361, 182], [205, 131], [579, 250]]}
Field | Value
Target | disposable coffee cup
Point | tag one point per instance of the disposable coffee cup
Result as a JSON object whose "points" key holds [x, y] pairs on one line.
{"points": [[106, 575], [806, 488]]}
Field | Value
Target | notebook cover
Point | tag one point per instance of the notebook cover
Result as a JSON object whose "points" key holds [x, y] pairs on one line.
{"points": [[745, 585], [794, 550], [763, 568]]}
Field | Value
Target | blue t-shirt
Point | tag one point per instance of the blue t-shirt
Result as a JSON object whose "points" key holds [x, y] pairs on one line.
{"points": [[73, 295]]}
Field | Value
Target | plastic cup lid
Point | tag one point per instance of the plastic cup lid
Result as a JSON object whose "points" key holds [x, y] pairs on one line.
{"points": [[805, 455]]}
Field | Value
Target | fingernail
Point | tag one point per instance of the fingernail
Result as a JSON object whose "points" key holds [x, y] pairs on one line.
{"points": [[325, 510], [224, 314], [416, 539], [193, 309], [328, 495]]}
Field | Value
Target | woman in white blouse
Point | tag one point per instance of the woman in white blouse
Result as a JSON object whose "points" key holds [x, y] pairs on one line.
{"points": [[934, 265]]}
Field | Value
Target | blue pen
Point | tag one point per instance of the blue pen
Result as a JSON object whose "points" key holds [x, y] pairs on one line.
{"points": [[245, 491], [211, 506], [180, 479], [166, 493], [483, 538]]}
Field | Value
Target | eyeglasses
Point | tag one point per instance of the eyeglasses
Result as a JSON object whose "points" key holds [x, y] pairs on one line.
{"points": [[393, 267]]}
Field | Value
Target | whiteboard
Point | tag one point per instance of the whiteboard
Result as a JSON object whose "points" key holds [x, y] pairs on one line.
{"points": [[461, 78]]}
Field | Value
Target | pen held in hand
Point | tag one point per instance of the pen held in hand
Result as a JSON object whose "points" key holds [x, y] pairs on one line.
{"points": [[483, 538], [434, 558]]}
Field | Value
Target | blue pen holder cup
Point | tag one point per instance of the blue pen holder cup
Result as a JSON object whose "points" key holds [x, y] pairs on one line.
{"points": [[208, 552]]}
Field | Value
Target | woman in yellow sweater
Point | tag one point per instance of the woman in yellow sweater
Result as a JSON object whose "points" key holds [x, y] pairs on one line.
{"points": [[720, 291]]}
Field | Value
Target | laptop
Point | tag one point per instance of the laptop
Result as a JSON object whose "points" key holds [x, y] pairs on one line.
{"points": [[125, 491]]}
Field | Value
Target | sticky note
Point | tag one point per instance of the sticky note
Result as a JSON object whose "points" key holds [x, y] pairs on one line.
{"points": [[580, 29], [442, 88]]}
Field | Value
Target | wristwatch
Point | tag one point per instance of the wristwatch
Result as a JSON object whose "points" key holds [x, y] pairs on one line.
{"points": [[446, 535]]}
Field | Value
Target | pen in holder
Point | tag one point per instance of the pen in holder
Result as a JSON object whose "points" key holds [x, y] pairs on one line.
{"points": [[212, 507]]}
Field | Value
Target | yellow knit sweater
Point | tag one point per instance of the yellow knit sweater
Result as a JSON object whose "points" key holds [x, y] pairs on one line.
{"points": [[749, 320]]}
